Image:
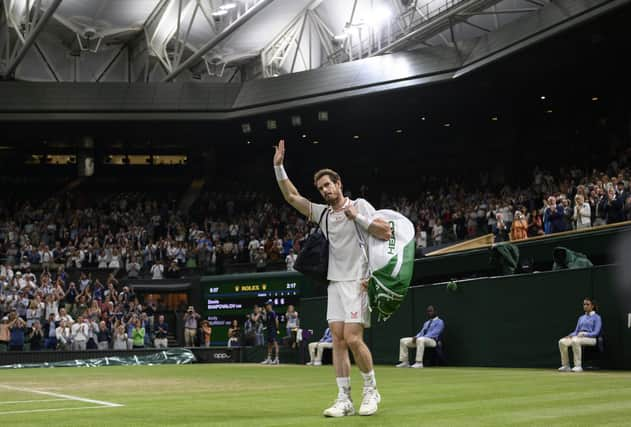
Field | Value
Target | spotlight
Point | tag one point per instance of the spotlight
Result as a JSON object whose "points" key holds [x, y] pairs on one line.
{"points": [[399, 131], [304, 135], [543, 97], [228, 6], [355, 136], [594, 98], [494, 118], [315, 142], [447, 125]]}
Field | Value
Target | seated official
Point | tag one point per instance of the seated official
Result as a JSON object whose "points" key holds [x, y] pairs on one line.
{"points": [[428, 336], [587, 331], [316, 349]]}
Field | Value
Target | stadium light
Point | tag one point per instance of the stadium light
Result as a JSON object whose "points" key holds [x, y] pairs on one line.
{"points": [[220, 12], [399, 131], [304, 135], [495, 118], [228, 6], [355, 136], [543, 97], [594, 98], [447, 125], [377, 16]]}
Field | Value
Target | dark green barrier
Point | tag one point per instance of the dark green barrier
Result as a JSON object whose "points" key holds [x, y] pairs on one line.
{"points": [[595, 244], [511, 321]]}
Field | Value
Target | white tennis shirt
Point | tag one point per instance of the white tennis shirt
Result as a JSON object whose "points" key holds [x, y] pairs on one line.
{"points": [[346, 258]]}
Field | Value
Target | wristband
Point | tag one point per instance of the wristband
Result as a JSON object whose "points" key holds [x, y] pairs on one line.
{"points": [[362, 221], [280, 173]]}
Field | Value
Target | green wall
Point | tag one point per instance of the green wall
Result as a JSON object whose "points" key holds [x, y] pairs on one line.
{"points": [[505, 321]]}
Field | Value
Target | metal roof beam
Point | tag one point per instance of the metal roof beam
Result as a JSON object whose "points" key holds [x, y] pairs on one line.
{"points": [[197, 56], [32, 37]]}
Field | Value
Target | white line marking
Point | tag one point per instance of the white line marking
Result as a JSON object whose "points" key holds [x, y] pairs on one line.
{"points": [[52, 410], [64, 396], [29, 401]]}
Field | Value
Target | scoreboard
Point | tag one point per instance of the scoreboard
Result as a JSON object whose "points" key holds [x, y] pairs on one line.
{"points": [[233, 297]]}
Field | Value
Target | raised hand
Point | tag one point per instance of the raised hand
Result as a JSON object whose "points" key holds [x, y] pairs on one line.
{"points": [[279, 154]]}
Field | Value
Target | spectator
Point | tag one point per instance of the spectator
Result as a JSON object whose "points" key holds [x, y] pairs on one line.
{"points": [[535, 224], [79, 332], [36, 336], [290, 260], [260, 259], [586, 333], [63, 335], [138, 335], [613, 207], [206, 332], [173, 272], [162, 330], [234, 333], [190, 326], [103, 336], [5, 333], [519, 228], [428, 336], [49, 330], [119, 337], [582, 213], [553, 216], [292, 324], [157, 270], [133, 268], [316, 349]]}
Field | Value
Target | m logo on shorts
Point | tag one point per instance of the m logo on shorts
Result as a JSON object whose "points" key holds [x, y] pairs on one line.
{"points": [[353, 315]]}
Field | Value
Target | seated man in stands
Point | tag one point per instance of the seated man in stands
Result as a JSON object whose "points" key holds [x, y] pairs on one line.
{"points": [[316, 349], [587, 331], [428, 336]]}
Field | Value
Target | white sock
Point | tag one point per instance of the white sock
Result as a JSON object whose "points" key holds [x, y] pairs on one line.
{"points": [[369, 379], [344, 386]]}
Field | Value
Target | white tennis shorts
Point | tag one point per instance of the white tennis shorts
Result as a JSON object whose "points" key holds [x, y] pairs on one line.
{"points": [[347, 302]]}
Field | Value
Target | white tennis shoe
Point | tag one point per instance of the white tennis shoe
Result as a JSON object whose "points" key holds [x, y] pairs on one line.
{"points": [[370, 401], [342, 407], [403, 365]]}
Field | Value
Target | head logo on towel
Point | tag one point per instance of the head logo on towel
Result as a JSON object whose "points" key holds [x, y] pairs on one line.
{"points": [[392, 243]]}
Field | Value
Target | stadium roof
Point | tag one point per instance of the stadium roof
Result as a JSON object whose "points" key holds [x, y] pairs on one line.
{"points": [[238, 40], [231, 58]]}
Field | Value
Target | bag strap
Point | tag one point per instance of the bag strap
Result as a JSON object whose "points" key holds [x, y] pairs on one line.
{"points": [[325, 211]]}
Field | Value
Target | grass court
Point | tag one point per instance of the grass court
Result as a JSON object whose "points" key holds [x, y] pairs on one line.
{"points": [[292, 395]]}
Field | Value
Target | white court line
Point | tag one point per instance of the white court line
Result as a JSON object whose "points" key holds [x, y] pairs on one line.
{"points": [[52, 410], [64, 396], [29, 401]]}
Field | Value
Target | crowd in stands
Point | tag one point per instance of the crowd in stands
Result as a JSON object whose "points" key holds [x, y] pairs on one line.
{"points": [[50, 311], [134, 235]]}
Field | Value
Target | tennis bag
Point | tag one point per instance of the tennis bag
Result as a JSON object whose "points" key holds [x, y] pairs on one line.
{"points": [[313, 258], [391, 264]]}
